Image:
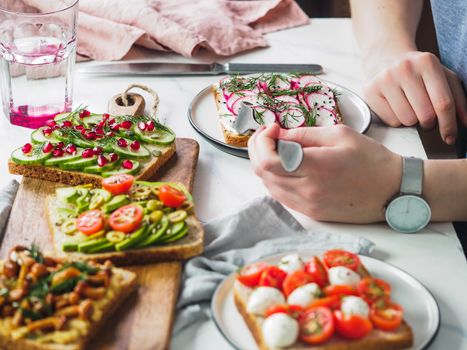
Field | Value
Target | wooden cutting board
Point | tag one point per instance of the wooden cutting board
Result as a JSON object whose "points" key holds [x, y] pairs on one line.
{"points": [[145, 320]]}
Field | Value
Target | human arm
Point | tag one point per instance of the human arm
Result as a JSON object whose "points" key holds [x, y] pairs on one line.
{"points": [[405, 86]]}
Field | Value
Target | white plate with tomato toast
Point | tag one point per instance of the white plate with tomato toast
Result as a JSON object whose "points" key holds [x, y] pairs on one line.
{"points": [[204, 115], [238, 319]]}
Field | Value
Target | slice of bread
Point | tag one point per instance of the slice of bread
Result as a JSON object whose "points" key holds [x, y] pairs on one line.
{"points": [[124, 285], [54, 174]]}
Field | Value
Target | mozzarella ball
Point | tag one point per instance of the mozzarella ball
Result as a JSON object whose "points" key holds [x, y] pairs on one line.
{"points": [[280, 330], [304, 295], [352, 305], [291, 263], [262, 298], [343, 275]]}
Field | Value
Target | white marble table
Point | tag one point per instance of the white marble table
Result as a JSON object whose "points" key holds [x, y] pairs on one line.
{"points": [[223, 182]]}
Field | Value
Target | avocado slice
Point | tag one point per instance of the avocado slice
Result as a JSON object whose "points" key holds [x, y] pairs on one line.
{"points": [[116, 202]]}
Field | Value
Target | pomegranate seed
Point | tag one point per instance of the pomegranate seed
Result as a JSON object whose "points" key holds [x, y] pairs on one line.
{"points": [[115, 127], [88, 153], [47, 131], [99, 131], [127, 164], [126, 124], [79, 127], [101, 160], [122, 143], [26, 148], [60, 145], [70, 149], [67, 124], [142, 126], [51, 123], [47, 147], [55, 127], [111, 121], [113, 157], [90, 135], [83, 132], [150, 126], [58, 152], [84, 113], [101, 124], [109, 134], [97, 150], [135, 145], [105, 116]]}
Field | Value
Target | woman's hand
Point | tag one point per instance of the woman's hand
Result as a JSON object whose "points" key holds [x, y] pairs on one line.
{"points": [[413, 87], [344, 176]]}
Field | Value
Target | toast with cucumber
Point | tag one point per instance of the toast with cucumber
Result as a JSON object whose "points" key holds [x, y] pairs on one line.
{"points": [[126, 221], [81, 148]]}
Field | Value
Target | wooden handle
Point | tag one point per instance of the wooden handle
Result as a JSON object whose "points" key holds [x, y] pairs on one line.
{"points": [[135, 105]]}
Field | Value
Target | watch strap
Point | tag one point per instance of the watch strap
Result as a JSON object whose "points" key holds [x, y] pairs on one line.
{"points": [[412, 175]]}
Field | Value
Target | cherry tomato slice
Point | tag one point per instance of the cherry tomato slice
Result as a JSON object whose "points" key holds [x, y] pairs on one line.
{"points": [[352, 326], [316, 325], [318, 271], [249, 275], [332, 302], [171, 197], [294, 311], [126, 218], [90, 222], [295, 280], [387, 318], [339, 290], [339, 257], [272, 276], [373, 289], [118, 184]]}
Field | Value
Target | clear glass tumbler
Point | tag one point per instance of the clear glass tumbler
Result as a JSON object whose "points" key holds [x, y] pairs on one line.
{"points": [[37, 57]]}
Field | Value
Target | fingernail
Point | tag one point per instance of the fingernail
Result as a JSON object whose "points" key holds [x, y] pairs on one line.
{"points": [[450, 140]]}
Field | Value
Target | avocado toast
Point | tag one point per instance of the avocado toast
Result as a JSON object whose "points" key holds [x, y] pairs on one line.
{"points": [[126, 222], [81, 148]]}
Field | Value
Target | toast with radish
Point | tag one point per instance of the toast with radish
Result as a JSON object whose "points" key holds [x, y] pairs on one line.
{"points": [[291, 100], [331, 303]]}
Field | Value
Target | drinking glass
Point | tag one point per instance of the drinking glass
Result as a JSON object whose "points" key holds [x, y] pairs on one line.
{"points": [[37, 57]]}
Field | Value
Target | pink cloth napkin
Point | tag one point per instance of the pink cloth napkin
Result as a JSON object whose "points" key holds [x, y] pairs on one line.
{"points": [[107, 29]]}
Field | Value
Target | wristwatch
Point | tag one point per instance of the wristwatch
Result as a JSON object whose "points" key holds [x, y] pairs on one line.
{"points": [[409, 212]]}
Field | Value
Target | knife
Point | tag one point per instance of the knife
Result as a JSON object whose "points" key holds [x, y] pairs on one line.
{"points": [[171, 69]]}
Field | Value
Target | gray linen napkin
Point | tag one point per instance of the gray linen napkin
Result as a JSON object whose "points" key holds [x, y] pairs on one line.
{"points": [[7, 196], [262, 228]]}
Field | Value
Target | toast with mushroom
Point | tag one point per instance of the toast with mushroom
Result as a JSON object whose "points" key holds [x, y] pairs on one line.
{"points": [[55, 304]]}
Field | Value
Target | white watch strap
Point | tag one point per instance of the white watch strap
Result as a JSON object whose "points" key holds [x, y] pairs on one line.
{"points": [[412, 175]]}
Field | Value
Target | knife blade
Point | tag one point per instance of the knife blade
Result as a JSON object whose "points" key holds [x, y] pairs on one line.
{"points": [[190, 69]]}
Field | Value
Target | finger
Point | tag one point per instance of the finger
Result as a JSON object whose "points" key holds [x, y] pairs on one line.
{"points": [[381, 107], [458, 94], [315, 136], [289, 198], [399, 104], [251, 144]]}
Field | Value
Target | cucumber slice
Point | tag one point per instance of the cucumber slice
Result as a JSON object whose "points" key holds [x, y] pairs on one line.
{"points": [[61, 117], [176, 237], [93, 119], [122, 170], [38, 136], [78, 164], [96, 169], [157, 136], [36, 156], [56, 161], [127, 152], [78, 141]]}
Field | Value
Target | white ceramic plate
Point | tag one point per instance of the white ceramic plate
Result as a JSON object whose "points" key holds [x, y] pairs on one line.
{"points": [[420, 308], [202, 115]]}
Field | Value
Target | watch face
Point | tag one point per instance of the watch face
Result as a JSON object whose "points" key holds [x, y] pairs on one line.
{"points": [[408, 213]]}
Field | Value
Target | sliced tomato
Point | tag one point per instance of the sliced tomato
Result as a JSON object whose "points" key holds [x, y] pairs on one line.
{"points": [[388, 317], [316, 325], [127, 218], [295, 280], [294, 311], [171, 197], [272, 276], [332, 302], [339, 257], [118, 184], [352, 326], [90, 222], [339, 290], [249, 275], [373, 289], [318, 271]]}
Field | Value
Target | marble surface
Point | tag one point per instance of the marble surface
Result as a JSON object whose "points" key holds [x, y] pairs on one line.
{"points": [[223, 182]]}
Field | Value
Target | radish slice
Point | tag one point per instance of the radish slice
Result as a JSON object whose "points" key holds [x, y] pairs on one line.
{"points": [[264, 116], [281, 84], [236, 96], [325, 117], [291, 118], [307, 80], [288, 99], [319, 100], [238, 102]]}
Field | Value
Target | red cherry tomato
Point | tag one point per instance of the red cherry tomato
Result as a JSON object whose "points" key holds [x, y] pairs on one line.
{"points": [[373, 289], [294, 311], [126, 219], [171, 197], [316, 325], [295, 280], [90, 222], [332, 302], [249, 275], [318, 271], [339, 290], [339, 257], [272, 276], [352, 326], [388, 317], [118, 184]]}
